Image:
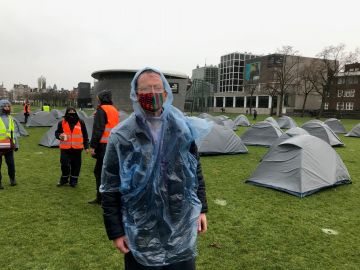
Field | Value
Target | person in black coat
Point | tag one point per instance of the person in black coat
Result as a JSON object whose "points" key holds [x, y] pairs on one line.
{"points": [[71, 147]]}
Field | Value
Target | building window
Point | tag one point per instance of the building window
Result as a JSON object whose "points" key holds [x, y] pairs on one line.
{"points": [[326, 105], [349, 93], [250, 102], [340, 106], [341, 81], [239, 102], [349, 106], [219, 102], [263, 102], [229, 101], [340, 93]]}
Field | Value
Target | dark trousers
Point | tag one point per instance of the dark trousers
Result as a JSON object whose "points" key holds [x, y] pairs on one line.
{"points": [[132, 264], [9, 159], [100, 153], [26, 115], [70, 160]]}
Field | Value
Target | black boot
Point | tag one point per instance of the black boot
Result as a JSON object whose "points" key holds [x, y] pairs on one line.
{"points": [[63, 181], [73, 181], [13, 182]]}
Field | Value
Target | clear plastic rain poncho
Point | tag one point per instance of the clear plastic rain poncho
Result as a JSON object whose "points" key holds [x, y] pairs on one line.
{"points": [[158, 184]]}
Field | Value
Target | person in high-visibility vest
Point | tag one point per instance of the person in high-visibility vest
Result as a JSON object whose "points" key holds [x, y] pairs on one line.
{"points": [[8, 140], [26, 110], [73, 137], [46, 108], [106, 117]]}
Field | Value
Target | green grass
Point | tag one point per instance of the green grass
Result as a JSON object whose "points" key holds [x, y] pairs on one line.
{"points": [[46, 227]]}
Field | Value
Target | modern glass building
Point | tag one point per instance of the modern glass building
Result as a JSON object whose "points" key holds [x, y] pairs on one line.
{"points": [[232, 70]]}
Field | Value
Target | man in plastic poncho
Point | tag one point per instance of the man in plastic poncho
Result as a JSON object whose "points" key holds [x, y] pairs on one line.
{"points": [[153, 191]]}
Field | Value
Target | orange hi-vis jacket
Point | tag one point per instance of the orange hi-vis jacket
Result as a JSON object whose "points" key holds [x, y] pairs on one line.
{"points": [[28, 108], [74, 139], [112, 115]]}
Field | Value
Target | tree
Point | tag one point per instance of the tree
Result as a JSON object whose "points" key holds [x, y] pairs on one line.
{"points": [[272, 90], [285, 73], [305, 86], [333, 61], [250, 88]]}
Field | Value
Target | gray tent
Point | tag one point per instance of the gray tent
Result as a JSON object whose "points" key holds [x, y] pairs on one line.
{"points": [[335, 125], [222, 140], [288, 134], [322, 131], [49, 139], [272, 121], [41, 119], [262, 133], [242, 120], [286, 122], [57, 113], [20, 115], [355, 132], [210, 117], [122, 115], [19, 128], [301, 165], [82, 115]]}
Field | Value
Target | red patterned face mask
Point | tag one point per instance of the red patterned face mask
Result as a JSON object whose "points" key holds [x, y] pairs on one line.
{"points": [[152, 101]]}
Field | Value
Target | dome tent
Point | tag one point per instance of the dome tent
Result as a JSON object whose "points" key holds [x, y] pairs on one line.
{"points": [[335, 125], [242, 120], [272, 121], [19, 128], [221, 140], [355, 132], [41, 119], [288, 134], [286, 122], [301, 165], [322, 131], [262, 133]]}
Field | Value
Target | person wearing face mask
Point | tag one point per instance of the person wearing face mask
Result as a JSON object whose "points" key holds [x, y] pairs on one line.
{"points": [[8, 141], [105, 119], [73, 137], [153, 190]]}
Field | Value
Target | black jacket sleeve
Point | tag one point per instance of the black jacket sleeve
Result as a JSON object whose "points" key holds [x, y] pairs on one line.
{"points": [[100, 120], [201, 192], [111, 197], [59, 130], [85, 134]]}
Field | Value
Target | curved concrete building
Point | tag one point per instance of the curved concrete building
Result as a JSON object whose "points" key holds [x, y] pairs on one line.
{"points": [[118, 81]]}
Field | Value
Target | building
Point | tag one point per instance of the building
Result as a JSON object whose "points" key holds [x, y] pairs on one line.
{"points": [[199, 97], [208, 74], [344, 96], [257, 87], [84, 95], [20, 92], [118, 81], [3, 92]]}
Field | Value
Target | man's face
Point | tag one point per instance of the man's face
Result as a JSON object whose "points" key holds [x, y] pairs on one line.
{"points": [[150, 83]]}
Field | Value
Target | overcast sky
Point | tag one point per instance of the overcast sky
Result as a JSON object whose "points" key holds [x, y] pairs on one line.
{"points": [[67, 40]]}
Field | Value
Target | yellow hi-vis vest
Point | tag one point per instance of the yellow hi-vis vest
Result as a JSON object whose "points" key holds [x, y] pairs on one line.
{"points": [[46, 108], [6, 135]]}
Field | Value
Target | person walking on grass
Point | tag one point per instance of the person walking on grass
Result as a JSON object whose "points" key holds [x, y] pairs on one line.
{"points": [[106, 117], [26, 110], [153, 190], [8, 141], [73, 138], [255, 114]]}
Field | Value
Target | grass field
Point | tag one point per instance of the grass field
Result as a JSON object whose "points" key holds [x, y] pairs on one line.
{"points": [[46, 227]]}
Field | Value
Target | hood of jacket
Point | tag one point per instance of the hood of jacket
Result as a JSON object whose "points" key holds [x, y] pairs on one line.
{"points": [[67, 118], [105, 97], [3, 102], [135, 103]]}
